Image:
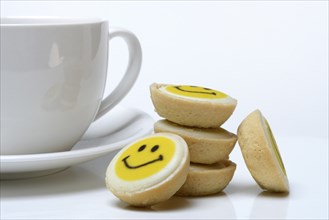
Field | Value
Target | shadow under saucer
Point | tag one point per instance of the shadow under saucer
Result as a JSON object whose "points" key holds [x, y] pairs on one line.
{"points": [[71, 180], [24, 175]]}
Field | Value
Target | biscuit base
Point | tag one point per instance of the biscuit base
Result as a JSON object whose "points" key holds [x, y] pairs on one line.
{"points": [[205, 180], [260, 154], [156, 194], [206, 145]]}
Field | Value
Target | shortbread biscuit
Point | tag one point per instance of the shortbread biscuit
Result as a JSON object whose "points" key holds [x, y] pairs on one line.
{"points": [[261, 153], [192, 105], [207, 179], [206, 145], [150, 170]]}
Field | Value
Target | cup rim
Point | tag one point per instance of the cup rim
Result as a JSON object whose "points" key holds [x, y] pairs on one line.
{"points": [[14, 21]]}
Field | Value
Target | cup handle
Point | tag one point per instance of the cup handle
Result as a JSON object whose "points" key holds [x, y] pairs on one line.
{"points": [[132, 71]]}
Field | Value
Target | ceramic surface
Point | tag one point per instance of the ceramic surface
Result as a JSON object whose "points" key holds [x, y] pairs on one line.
{"points": [[53, 75], [116, 129]]}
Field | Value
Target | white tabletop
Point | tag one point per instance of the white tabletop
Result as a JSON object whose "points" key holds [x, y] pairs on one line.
{"points": [[79, 192]]}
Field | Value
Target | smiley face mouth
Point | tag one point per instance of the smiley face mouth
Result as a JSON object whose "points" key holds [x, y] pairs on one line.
{"points": [[191, 91], [124, 160]]}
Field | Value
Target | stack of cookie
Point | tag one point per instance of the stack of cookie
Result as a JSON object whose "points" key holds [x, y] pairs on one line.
{"points": [[189, 154], [196, 114]]}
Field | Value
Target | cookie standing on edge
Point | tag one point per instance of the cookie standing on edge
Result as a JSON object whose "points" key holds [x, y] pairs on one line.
{"points": [[150, 170], [206, 145], [192, 105], [261, 154]]}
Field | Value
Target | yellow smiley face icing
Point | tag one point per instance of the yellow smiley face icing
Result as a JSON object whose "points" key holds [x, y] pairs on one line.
{"points": [[195, 92], [149, 170], [145, 158]]}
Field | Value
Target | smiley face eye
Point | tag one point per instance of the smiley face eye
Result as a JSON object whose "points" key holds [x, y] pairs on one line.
{"points": [[141, 148], [155, 148]]}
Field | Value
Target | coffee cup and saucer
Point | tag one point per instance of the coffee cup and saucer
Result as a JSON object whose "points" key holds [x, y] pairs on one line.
{"points": [[53, 76]]}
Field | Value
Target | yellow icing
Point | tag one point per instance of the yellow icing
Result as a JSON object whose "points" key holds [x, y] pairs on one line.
{"points": [[145, 158], [195, 92], [275, 146]]}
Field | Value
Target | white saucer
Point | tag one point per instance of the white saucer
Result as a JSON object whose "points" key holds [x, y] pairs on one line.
{"points": [[111, 132]]}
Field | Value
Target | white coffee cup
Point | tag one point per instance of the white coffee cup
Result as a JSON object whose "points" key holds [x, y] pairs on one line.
{"points": [[53, 75]]}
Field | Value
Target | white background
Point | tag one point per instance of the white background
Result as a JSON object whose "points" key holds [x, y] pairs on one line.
{"points": [[271, 55]]}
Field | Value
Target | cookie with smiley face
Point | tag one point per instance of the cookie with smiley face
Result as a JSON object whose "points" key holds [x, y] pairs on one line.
{"points": [[206, 145], [261, 153], [193, 106], [150, 170]]}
